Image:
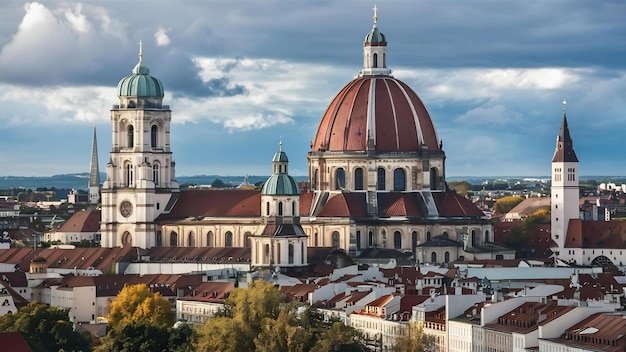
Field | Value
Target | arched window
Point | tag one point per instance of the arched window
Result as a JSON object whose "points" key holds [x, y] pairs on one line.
{"points": [[433, 257], [155, 173], [399, 180], [340, 178], [397, 240], [428, 236], [280, 208], [315, 174], [446, 257], [159, 239], [445, 234], [433, 178], [173, 239], [290, 250], [380, 184], [192, 239], [474, 239], [370, 239], [358, 240], [153, 136], [384, 60], [246, 239], [293, 208], [316, 240], [302, 254], [358, 179], [127, 239], [267, 254], [267, 208], [228, 239], [486, 236], [130, 136], [210, 239], [375, 61], [335, 239], [128, 175]]}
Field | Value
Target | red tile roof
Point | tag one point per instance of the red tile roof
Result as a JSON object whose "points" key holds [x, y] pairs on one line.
{"points": [[14, 342], [82, 221], [399, 204], [599, 332], [306, 199], [211, 203], [453, 205], [596, 234], [345, 205], [213, 292]]}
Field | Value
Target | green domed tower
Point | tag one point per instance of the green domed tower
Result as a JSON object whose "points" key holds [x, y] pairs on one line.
{"points": [[141, 173]]}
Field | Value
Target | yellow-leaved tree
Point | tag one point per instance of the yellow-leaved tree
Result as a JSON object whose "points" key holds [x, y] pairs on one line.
{"points": [[136, 304]]}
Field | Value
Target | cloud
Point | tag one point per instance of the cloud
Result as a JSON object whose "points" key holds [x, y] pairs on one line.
{"points": [[498, 114], [161, 37]]}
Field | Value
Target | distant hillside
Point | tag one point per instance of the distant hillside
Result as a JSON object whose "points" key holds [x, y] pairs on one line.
{"points": [[81, 181]]}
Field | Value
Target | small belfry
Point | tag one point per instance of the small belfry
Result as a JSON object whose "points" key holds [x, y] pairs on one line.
{"points": [[375, 51], [141, 171]]}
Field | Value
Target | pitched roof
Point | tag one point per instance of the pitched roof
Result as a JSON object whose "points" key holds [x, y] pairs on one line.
{"points": [[345, 205], [82, 221], [213, 292], [601, 332], [211, 203], [14, 341], [399, 204], [596, 234], [564, 145]]}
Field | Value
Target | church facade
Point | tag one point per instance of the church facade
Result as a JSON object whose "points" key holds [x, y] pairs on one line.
{"points": [[376, 182]]}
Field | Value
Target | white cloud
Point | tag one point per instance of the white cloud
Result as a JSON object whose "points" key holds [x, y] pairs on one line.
{"points": [[161, 37], [498, 114]]}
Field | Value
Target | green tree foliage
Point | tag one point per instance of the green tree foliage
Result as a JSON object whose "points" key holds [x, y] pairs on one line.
{"points": [[520, 236], [461, 187], [415, 340], [505, 204], [137, 304], [140, 320], [256, 319], [217, 183], [45, 328]]}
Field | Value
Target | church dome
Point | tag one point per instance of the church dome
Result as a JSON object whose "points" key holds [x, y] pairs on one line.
{"points": [[140, 83], [375, 37], [378, 113], [280, 185]]}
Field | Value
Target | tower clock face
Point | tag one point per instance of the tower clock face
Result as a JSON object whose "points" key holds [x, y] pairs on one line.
{"points": [[126, 208]]}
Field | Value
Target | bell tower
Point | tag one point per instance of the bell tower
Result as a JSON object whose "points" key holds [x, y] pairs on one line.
{"points": [[140, 176]]}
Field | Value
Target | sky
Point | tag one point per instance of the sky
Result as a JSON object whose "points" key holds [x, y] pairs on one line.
{"points": [[240, 75]]}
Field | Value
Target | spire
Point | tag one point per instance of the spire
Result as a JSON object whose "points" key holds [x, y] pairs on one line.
{"points": [[564, 145], [94, 172], [140, 51], [375, 15]]}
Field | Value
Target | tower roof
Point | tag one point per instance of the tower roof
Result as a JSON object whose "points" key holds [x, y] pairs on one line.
{"points": [[94, 171], [564, 152], [140, 83], [280, 183], [375, 37]]}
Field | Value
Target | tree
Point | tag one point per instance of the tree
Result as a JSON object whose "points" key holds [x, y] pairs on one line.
{"points": [[415, 340], [339, 337], [461, 187], [505, 204], [137, 304], [45, 328], [217, 183]]}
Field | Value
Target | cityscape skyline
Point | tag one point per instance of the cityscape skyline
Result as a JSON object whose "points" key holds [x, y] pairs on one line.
{"points": [[241, 76]]}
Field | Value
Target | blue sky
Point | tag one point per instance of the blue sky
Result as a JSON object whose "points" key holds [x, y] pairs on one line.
{"points": [[239, 75]]}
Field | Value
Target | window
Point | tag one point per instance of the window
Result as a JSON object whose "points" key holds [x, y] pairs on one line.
{"points": [[290, 251], [315, 173], [335, 239], [315, 242], [209, 239], [155, 173], [375, 61], [428, 236], [358, 240], [433, 257], [246, 239], [446, 257], [380, 184], [358, 179], [397, 240], [267, 208], [130, 136], [191, 240], [340, 179], [128, 175], [159, 238], [302, 255], [228, 239], [280, 208], [293, 208], [399, 180], [153, 136], [173, 239]]}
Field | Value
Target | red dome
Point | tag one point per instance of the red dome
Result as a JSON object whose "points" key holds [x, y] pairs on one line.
{"points": [[382, 107]]}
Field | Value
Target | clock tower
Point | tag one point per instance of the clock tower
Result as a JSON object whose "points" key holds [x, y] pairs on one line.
{"points": [[140, 176]]}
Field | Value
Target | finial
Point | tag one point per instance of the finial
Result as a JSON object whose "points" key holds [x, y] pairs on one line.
{"points": [[564, 102], [280, 144], [375, 14], [140, 50]]}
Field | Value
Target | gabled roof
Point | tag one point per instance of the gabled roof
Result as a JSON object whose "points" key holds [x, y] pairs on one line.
{"points": [[82, 221], [215, 203], [213, 292], [399, 204], [18, 299], [451, 204], [596, 234], [602, 332], [14, 341]]}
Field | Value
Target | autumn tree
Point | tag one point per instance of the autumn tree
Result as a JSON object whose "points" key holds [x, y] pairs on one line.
{"points": [[136, 303], [415, 340], [339, 337], [45, 328], [140, 320], [505, 204], [461, 187]]}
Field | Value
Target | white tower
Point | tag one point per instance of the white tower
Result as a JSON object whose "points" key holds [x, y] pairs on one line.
{"points": [[564, 190], [140, 175]]}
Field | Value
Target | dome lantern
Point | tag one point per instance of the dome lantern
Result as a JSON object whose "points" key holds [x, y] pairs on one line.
{"points": [[140, 83], [280, 183], [375, 52]]}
